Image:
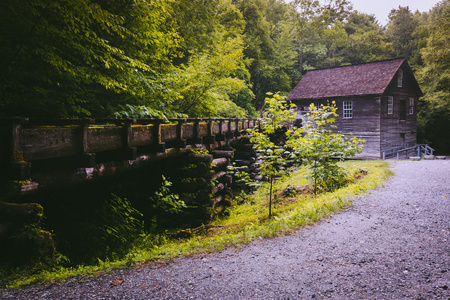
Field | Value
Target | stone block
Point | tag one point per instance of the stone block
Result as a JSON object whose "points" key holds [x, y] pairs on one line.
{"points": [[428, 157]]}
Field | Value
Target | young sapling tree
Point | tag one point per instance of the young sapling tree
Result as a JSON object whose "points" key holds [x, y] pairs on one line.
{"points": [[277, 113], [322, 148]]}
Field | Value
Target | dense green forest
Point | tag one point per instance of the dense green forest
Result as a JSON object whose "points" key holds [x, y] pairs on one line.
{"points": [[204, 58]]}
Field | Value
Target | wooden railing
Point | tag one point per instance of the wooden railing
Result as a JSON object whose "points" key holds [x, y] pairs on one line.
{"points": [[24, 140], [400, 151]]}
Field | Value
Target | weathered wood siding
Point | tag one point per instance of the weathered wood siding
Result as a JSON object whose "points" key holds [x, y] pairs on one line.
{"points": [[394, 131], [365, 123]]}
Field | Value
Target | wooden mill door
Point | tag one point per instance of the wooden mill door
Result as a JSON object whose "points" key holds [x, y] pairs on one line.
{"points": [[402, 110]]}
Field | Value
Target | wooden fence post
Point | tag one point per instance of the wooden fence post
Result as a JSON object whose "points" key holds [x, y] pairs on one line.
{"points": [[237, 132], [159, 145], [197, 138], [210, 138], [19, 168], [87, 159], [181, 142], [220, 136], [130, 152], [230, 133]]}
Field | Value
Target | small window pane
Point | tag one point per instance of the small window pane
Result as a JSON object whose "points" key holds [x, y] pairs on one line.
{"points": [[390, 105], [348, 109], [411, 106], [400, 78]]}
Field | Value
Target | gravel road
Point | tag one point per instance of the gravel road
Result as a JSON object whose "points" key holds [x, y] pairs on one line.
{"points": [[391, 244]]}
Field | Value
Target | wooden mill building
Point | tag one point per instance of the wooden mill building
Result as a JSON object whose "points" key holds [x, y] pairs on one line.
{"points": [[376, 101]]}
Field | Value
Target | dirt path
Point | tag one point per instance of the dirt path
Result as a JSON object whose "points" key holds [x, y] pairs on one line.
{"points": [[391, 244]]}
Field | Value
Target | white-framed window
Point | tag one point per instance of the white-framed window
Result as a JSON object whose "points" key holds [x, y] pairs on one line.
{"points": [[348, 109], [411, 106], [399, 78], [390, 105]]}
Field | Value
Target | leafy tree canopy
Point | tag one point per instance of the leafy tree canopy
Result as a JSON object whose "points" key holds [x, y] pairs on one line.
{"points": [[400, 29], [74, 57], [435, 76]]}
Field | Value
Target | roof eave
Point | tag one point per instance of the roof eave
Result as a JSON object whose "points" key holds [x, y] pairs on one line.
{"points": [[334, 97]]}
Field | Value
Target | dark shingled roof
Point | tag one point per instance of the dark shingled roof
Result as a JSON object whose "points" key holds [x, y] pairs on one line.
{"points": [[364, 79]]}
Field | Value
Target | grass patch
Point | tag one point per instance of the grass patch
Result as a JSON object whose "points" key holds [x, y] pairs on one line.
{"points": [[246, 222]]}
